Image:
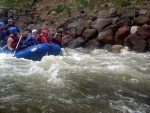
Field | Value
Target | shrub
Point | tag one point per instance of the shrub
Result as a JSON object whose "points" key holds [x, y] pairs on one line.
{"points": [[14, 2], [60, 8], [125, 3], [68, 9]]}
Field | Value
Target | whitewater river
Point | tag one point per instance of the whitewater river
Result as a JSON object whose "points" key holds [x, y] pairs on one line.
{"points": [[83, 81]]}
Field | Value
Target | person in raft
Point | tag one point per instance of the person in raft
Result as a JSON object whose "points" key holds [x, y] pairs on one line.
{"points": [[31, 38], [2, 24], [12, 40], [43, 38], [5, 33], [11, 23]]}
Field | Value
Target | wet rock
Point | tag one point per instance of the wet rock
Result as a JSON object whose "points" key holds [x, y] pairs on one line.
{"points": [[64, 23], [143, 12], [73, 32], [78, 42], [79, 31], [100, 24], [107, 47], [102, 14], [143, 31], [134, 42], [74, 24], [117, 48], [121, 34], [89, 34], [124, 22], [86, 24], [67, 39], [94, 43], [107, 35], [139, 21], [112, 13]]}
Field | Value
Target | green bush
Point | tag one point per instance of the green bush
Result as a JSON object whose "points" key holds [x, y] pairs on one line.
{"points": [[68, 9], [8, 2], [13, 2], [60, 8], [125, 3]]}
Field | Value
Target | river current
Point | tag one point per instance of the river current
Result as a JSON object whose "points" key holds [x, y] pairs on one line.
{"points": [[82, 81]]}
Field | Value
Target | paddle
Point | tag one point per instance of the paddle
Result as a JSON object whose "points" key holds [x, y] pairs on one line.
{"points": [[64, 46], [3, 47], [17, 44]]}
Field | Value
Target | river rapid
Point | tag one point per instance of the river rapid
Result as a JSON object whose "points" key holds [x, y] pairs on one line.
{"points": [[82, 81]]}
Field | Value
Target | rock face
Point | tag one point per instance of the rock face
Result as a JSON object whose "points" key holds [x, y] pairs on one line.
{"points": [[100, 24], [134, 42], [103, 27], [121, 34]]}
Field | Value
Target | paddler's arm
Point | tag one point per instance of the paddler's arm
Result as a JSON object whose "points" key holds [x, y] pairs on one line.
{"points": [[9, 42]]}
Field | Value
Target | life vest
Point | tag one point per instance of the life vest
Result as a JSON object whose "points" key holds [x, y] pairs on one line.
{"points": [[59, 40], [43, 39], [56, 39], [15, 41]]}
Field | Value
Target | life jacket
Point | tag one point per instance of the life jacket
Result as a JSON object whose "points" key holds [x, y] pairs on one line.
{"points": [[15, 41], [59, 40], [43, 39]]}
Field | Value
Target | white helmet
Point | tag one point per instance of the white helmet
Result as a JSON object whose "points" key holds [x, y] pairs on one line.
{"points": [[34, 30]]}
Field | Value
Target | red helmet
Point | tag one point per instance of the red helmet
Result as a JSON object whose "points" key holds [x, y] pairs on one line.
{"points": [[44, 31]]}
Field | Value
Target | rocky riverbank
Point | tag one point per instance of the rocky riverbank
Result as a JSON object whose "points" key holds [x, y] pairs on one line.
{"points": [[103, 27]]}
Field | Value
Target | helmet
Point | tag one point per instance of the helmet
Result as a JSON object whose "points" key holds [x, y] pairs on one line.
{"points": [[44, 31], [2, 23], [5, 28], [10, 20], [12, 29], [34, 30]]}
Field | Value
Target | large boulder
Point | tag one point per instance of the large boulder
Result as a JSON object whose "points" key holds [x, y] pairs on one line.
{"points": [[121, 34], [107, 35], [67, 39], [134, 42], [64, 24], [112, 13], [102, 14], [124, 22], [94, 43], [89, 34], [107, 47], [100, 24], [143, 31], [141, 21], [86, 24], [117, 48], [78, 42]]}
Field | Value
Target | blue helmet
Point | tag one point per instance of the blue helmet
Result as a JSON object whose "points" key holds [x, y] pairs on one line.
{"points": [[2, 23], [5, 28], [12, 29]]}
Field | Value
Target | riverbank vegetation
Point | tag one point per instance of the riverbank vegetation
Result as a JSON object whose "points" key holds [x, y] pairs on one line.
{"points": [[61, 5]]}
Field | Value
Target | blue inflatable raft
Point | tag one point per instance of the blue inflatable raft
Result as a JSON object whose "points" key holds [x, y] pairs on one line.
{"points": [[36, 52]]}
